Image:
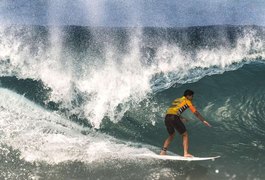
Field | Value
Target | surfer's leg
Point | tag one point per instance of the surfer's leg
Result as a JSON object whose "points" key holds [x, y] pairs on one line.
{"points": [[171, 131], [185, 138], [167, 143]]}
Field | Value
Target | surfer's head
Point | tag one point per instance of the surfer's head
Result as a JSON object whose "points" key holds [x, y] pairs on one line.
{"points": [[189, 94]]}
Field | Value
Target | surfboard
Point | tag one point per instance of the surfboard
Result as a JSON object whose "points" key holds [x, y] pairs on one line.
{"points": [[176, 157]]}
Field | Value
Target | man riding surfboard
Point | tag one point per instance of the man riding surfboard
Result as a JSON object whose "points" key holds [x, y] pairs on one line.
{"points": [[173, 121]]}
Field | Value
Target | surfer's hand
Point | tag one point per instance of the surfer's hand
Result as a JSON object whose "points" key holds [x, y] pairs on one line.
{"points": [[207, 124]]}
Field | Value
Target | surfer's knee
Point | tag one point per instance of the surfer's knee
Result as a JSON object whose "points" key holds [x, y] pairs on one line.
{"points": [[171, 136]]}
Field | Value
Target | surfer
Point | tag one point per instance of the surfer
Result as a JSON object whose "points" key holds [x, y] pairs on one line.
{"points": [[173, 121]]}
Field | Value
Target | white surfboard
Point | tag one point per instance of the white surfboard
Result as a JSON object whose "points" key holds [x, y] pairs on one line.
{"points": [[176, 157]]}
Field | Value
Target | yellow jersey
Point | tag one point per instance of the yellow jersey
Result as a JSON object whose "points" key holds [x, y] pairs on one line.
{"points": [[179, 105]]}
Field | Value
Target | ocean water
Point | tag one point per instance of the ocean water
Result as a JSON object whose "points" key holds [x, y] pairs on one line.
{"points": [[80, 102]]}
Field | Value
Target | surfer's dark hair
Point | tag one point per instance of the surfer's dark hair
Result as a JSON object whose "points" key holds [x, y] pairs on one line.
{"points": [[188, 92]]}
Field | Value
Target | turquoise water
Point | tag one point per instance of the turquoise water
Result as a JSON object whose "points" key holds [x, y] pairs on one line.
{"points": [[80, 103]]}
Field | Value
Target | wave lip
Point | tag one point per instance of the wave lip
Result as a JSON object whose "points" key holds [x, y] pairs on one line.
{"points": [[102, 72]]}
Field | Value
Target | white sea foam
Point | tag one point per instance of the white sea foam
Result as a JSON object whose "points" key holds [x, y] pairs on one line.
{"points": [[111, 86], [41, 135]]}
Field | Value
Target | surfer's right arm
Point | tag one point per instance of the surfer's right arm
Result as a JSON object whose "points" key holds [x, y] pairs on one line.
{"points": [[199, 116]]}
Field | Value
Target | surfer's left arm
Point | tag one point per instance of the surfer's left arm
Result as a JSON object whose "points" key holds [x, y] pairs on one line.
{"points": [[199, 116]]}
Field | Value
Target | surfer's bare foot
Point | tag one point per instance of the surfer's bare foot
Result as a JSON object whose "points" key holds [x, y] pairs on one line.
{"points": [[188, 155], [163, 152]]}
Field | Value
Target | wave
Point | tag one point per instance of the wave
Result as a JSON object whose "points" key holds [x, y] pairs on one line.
{"points": [[41, 135], [120, 81], [95, 73], [236, 113], [232, 102]]}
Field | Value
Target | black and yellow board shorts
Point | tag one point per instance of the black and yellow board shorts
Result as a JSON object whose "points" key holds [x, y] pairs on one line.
{"points": [[173, 122]]}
